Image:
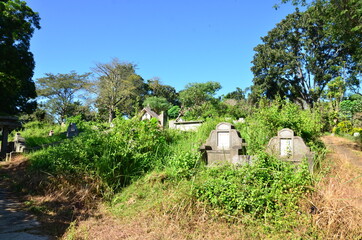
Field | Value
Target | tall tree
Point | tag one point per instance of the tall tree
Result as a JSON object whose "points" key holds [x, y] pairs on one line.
{"points": [[17, 25], [157, 89], [118, 88], [297, 59], [343, 22], [61, 91], [157, 104], [196, 94]]}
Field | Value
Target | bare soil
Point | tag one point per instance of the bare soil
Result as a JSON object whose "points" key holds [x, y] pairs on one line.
{"points": [[51, 200]]}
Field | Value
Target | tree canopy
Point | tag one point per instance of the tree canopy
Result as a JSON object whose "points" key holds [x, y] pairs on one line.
{"points": [[60, 91], [17, 25], [298, 58], [118, 88]]}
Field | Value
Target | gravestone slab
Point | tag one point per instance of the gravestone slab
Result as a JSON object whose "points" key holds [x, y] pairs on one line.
{"points": [[19, 143], [288, 147], [72, 130], [224, 145]]}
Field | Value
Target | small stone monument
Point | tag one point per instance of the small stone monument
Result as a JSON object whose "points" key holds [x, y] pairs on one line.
{"points": [[72, 130], [7, 124], [19, 143], [224, 145], [288, 147]]}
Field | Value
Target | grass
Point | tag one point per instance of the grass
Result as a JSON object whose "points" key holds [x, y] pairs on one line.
{"points": [[338, 199]]}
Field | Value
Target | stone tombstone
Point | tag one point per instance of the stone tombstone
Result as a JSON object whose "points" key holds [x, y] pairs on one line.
{"points": [[19, 143], [288, 147], [72, 130], [224, 145], [7, 124]]}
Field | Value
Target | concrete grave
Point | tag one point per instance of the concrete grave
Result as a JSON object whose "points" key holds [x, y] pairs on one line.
{"points": [[72, 130], [19, 143], [288, 147], [7, 124], [224, 145]]}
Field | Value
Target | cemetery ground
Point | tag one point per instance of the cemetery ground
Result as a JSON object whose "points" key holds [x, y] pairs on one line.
{"points": [[156, 209]]}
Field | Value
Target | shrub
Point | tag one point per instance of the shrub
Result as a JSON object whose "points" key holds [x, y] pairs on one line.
{"points": [[267, 189], [344, 127]]}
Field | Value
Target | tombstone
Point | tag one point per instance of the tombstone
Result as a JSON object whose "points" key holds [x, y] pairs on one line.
{"points": [[19, 143], [288, 147], [51, 133], [72, 130], [7, 124], [224, 145]]}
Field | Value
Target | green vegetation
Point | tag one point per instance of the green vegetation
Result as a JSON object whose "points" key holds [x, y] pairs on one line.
{"points": [[136, 160]]}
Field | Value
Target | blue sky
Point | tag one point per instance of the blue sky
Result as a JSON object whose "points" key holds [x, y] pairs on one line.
{"points": [[178, 41]]}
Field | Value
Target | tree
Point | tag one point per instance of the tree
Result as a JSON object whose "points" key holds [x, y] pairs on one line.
{"points": [[335, 92], [158, 104], [238, 94], [157, 89], [297, 60], [60, 90], [342, 21], [17, 25], [118, 88], [196, 94], [197, 98]]}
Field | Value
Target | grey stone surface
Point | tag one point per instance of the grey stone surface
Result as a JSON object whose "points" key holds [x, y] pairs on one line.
{"points": [[225, 145], [72, 130], [19, 143], [7, 124], [16, 224], [288, 147]]}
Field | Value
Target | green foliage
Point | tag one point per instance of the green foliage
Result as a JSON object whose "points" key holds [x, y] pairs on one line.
{"points": [[173, 112], [157, 104], [60, 91], [348, 108], [271, 117], [344, 127], [126, 152], [118, 88], [196, 94], [17, 24], [37, 133], [268, 189], [298, 58], [155, 88]]}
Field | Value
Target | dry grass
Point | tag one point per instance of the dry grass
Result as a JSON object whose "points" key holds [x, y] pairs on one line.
{"points": [[338, 197]]}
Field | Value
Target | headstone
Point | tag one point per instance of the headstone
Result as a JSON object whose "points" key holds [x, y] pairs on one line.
{"points": [[72, 130], [288, 147], [7, 124], [19, 143], [224, 145]]}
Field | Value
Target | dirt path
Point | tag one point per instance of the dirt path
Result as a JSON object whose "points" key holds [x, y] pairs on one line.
{"points": [[15, 222], [344, 148]]}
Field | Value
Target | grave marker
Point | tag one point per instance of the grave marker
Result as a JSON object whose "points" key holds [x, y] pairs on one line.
{"points": [[224, 145]]}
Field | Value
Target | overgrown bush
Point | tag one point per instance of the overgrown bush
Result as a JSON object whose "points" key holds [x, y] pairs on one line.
{"points": [[268, 189], [118, 156], [271, 117]]}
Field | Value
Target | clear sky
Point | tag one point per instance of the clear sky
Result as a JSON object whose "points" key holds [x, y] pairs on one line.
{"points": [[179, 41]]}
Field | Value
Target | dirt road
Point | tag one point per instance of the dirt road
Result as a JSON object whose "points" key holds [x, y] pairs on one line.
{"points": [[344, 148]]}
